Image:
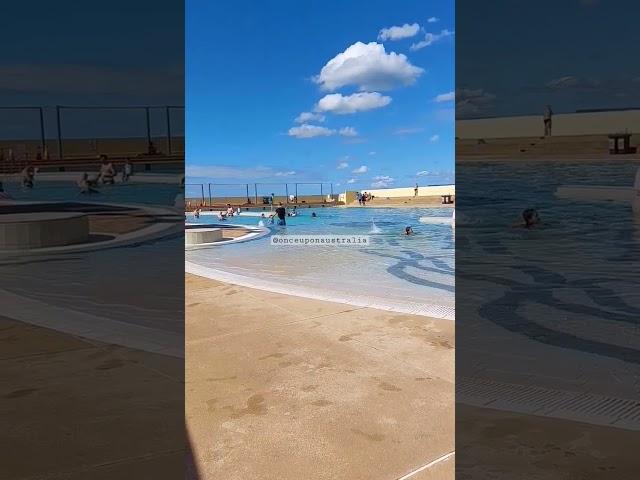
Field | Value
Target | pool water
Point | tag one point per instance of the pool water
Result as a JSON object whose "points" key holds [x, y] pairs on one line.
{"points": [[136, 193], [395, 269], [105, 282], [573, 282]]}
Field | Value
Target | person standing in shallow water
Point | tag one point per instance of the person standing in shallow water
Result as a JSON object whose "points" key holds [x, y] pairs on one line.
{"points": [[281, 212], [415, 191], [548, 114]]}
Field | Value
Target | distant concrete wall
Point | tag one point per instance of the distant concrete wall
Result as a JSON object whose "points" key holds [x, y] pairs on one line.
{"points": [[595, 123], [430, 191], [347, 197]]}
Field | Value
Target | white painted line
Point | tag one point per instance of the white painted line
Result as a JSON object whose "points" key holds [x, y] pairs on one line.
{"points": [[428, 465]]}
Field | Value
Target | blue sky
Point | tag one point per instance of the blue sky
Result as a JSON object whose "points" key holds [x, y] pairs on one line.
{"points": [[91, 53], [514, 57], [253, 67]]}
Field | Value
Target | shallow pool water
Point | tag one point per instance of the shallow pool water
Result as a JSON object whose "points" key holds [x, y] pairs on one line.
{"points": [[574, 281], [409, 270], [142, 193]]}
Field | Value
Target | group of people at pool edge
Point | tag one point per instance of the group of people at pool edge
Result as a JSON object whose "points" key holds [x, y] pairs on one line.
{"points": [[106, 176], [86, 184]]}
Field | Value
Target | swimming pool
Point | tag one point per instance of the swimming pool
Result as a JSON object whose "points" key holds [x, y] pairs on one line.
{"points": [[410, 274], [99, 287], [557, 305], [141, 193]]}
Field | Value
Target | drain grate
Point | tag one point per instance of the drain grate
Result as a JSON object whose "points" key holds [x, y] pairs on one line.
{"points": [[577, 406]]}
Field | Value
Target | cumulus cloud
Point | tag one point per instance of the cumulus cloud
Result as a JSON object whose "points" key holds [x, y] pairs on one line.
{"points": [[310, 131], [285, 174], [348, 132], [382, 181], [470, 101], [342, 165], [351, 180], [357, 102], [369, 67], [361, 169], [305, 117], [445, 97], [432, 19], [434, 138], [431, 38], [398, 33]]}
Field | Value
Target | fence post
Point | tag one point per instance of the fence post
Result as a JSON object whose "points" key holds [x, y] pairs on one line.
{"points": [[255, 186], [247, 192], [210, 202], [149, 135], [286, 192], [168, 129], [43, 141], [60, 155]]}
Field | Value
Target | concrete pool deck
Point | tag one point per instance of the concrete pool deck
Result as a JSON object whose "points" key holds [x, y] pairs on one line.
{"points": [[76, 409], [282, 387]]}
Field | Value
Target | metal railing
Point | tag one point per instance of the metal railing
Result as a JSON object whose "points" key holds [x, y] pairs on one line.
{"points": [[208, 192]]}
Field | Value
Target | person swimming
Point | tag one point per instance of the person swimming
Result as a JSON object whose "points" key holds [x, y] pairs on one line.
{"points": [[85, 185], [530, 217], [408, 230], [313, 215]]}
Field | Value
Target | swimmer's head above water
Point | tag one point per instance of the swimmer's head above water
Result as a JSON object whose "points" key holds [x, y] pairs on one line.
{"points": [[530, 217], [408, 230]]}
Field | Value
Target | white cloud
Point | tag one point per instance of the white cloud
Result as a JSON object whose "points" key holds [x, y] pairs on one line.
{"points": [[445, 97], [372, 153], [361, 169], [571, 82], [382, 181], [423, 173], [342, 165], [398, 33], [434, 138], [357, 102], [310, 131], [470, 102], [433, 19], [431, 38], [369, 67], [408, 131], [305, 117], [351, 180], [348, 132], [285, 174]]}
